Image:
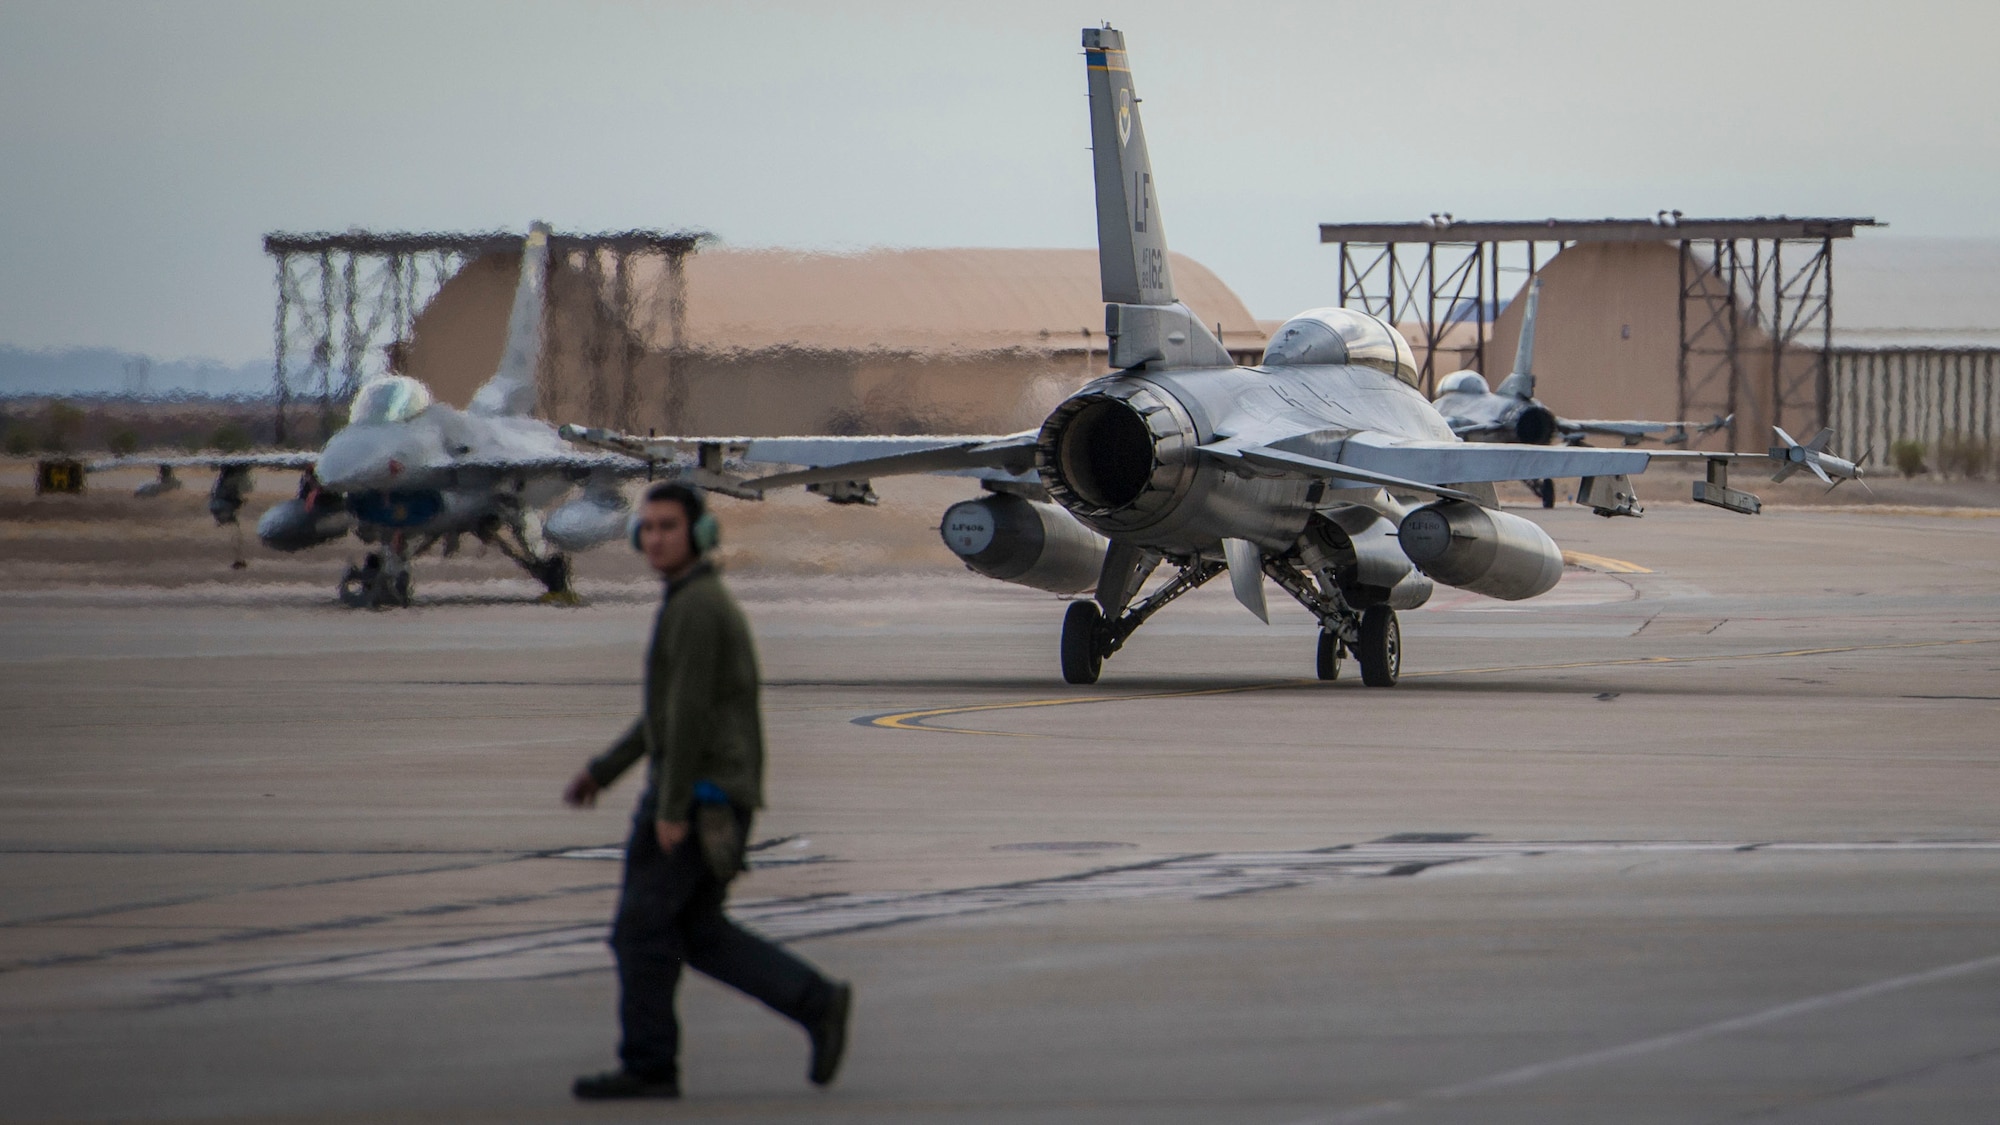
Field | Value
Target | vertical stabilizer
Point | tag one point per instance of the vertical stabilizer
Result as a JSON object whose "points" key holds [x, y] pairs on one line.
{"points": [[1131, 243], [511, 390], [1521, 384], [1146, 326]]}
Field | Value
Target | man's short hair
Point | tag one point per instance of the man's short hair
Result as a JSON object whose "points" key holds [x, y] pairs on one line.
{"points": [[690, 499]]}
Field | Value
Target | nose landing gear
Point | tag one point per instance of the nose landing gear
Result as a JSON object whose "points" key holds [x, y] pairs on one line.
{"points": [[382, 581]]}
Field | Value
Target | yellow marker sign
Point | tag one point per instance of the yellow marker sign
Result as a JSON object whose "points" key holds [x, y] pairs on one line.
{"points": [[59, 475]]}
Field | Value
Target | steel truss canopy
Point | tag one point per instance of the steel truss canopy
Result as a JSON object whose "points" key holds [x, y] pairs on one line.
{"points": [[1664, 229], [348, 301], [1749, 285]]}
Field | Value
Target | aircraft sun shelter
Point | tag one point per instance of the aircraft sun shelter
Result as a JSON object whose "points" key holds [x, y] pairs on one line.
{"points": [[652, 330], [1740, 311], [348, 303]]}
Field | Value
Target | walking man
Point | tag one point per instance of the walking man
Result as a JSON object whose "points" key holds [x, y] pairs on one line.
{"points": [[702, 737]]}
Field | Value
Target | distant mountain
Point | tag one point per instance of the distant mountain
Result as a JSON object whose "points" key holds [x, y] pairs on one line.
{"points": [[107, 371]]}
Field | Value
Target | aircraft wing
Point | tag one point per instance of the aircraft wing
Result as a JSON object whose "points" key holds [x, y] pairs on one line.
{"points": [[1429, 466], [1634, 431], [843, 459], [1271, 461], [828, 460], [1469, 428], [558, 464], [296, 460]]}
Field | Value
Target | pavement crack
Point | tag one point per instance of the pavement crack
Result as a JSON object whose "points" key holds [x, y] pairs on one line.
{"points": [[237, 937]]}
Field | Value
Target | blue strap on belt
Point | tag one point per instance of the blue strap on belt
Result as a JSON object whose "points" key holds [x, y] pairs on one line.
{"points": [[709, 793]]}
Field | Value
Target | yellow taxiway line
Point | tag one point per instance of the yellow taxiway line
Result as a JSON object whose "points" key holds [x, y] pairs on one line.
{"points": [[1603, 564], [914, 720]]}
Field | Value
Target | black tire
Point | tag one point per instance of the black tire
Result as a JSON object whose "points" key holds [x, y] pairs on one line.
{"points": [[1081, 659], [357, 586], [1330, 652], [1548, 491], [554, 573], [1380, 652], [399, 591]]}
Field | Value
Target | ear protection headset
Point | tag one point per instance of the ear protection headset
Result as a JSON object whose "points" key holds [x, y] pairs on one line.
{"points": [[704, 533]]}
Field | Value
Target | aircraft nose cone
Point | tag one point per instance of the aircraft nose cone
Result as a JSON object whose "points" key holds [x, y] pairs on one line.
{"points": [[358, 460]]}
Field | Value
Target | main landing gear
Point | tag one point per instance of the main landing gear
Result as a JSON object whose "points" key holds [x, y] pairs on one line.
{"points": [[382, 581], [1371, 635], [551, 570], [1093, 630]]}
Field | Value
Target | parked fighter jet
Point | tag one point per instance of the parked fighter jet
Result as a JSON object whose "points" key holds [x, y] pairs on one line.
{"points": [[407, 473], [1321, 468], [1477, 413]]}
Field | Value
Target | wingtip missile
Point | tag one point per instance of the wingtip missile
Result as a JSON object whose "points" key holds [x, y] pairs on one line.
{"points": [[1812, 456]]}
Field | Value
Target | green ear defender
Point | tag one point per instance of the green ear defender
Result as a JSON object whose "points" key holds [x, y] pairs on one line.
{"points": [[706, 533]]}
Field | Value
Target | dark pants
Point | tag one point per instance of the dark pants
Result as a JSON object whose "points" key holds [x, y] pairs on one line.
{"points": [[670, 911]]}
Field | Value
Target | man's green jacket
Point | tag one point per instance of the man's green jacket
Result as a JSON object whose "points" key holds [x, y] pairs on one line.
{"points": [[700, 721]]}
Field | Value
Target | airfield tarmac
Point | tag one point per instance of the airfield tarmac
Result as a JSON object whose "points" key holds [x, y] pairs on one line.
{"points": [[1710, 833]]}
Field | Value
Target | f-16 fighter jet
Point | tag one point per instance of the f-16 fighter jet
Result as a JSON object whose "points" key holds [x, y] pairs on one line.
{"points": [[407, 474], [1322, 468], [1477, 412]]}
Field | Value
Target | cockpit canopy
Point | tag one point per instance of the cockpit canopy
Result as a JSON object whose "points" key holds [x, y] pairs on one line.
{"points": [[390, 398], [1463, 383], [1342, 336]]}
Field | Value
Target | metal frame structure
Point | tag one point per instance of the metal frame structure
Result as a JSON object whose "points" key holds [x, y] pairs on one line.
{"points": [[1735, 274], [345, 302]]}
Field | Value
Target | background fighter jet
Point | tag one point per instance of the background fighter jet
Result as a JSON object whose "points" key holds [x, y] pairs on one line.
{"points": [[408, 473], [1477, 413], [1323, 468]]}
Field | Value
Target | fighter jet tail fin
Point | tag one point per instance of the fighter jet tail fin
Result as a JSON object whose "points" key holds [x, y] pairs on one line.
{"points": [[1147, 326], [1521, 384], [511, 390], [1131, 243]]}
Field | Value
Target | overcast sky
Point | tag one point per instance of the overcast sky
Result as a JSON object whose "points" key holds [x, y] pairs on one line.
{"points": [[146, 148]]}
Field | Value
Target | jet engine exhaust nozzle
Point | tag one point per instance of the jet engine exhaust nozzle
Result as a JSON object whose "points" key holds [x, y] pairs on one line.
{"points": [[1535, 425], [1118, 458]]}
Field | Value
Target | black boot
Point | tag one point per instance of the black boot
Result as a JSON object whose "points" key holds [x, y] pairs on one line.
{"points": [[623, 1084], [829, 1035]]}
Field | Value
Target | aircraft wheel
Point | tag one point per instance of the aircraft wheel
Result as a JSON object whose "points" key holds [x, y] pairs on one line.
{"points": [[1081, 660], [1329, 655], [357, 586], [398, 592], [554, 573], [1381, 649], [1548, 492]]}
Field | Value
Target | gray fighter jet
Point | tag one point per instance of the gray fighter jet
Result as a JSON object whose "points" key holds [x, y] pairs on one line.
{"points": [[1322, 468], [408, 473], [1476, 412]]}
